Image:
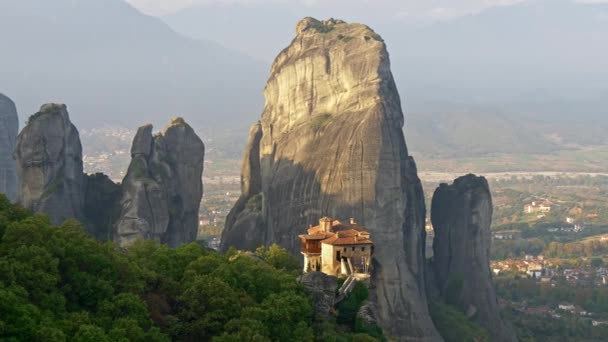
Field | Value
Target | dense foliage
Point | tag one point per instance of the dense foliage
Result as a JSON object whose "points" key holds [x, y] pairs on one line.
{"points": [[59, 284], [584, 248], [517, 289], [546, 328], [577, 249], [453, 324], [561, 326]]}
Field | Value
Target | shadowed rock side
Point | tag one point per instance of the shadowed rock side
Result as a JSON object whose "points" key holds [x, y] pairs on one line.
{"points": [[247, 213], [101, 205], [49, 165], [462, 215], [162, 190], [9, 127], [330, 142]]}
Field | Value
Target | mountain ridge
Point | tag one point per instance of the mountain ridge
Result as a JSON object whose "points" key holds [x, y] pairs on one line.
{"points": [[67, 52]]}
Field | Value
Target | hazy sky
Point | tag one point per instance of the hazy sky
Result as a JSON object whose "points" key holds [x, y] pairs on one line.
{"points": [[431, 9]]}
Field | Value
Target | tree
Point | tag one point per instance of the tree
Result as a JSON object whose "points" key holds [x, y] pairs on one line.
{"points": [[89, 333], [206, 306], [279, 258], [288, 315], [597, 262]]}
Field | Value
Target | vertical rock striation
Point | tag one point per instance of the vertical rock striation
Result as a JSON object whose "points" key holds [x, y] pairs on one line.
{"points": [[330, 142], [49, 165], [9, 127], [461, 214], [162, 190]]}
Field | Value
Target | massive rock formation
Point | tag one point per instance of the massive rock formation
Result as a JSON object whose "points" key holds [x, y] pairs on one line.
{"points": [[461, 214], [330, 142], [158, 199], [49, 159], [9, 126], [49, 165], [162, 190]]}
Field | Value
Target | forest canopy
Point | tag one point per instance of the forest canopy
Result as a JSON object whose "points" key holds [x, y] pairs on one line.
{"points": [[59, 284]]}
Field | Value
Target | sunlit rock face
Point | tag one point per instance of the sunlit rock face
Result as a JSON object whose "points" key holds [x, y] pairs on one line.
{"points": [[9, 126], [162, 191], [49, 165], [330, 143], [462, 216]]}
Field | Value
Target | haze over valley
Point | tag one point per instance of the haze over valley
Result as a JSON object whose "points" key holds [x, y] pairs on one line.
{"points": [[537, 90]]}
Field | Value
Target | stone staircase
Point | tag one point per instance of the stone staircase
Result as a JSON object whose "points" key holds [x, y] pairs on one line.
{"points": [[346, 288]]}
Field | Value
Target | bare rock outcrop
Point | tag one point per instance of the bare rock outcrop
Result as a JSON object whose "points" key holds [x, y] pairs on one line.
{"points": [[323, 290], [49, 165], [461, 214], [162, 190], [330, 143], [9, 127]]}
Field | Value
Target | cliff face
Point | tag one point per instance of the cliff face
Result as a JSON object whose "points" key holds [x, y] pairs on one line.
{"points": [[462, 215], [9, 126], [163, 188], [330, 142], [49, 165]]}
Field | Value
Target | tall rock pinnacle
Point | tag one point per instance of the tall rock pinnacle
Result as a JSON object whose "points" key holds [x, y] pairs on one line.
{"points": [[462, 215], [162, 191], [330, 143], [49, 164], [9, 127]]}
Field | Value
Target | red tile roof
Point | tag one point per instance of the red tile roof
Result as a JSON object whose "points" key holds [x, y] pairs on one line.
{"points": [[337, 241], [341, 234]]}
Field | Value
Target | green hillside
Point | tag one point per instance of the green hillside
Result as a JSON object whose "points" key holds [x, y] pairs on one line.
{"points": [[59, 284]]}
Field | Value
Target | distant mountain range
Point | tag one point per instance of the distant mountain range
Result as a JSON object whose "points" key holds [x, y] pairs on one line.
{"points": [[113, 65], [530, 77]]}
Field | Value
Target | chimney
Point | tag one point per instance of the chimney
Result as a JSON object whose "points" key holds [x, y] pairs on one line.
{"points": [[352, 220], [325, 224]]}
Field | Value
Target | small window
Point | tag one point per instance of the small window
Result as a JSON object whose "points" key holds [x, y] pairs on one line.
{"points": [[353, 248], [362, 249], [345, 249]]}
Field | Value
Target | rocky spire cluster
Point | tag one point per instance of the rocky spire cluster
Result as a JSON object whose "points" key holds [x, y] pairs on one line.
{"points": [[162, 191], [158, 199]]}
